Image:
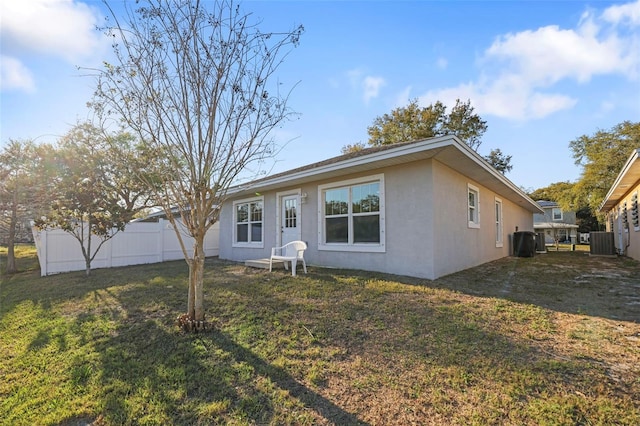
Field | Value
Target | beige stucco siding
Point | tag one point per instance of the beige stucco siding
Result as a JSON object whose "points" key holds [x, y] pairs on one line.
{"points": [[425, 224], [458, 246], [627, 240], [407, 216]]}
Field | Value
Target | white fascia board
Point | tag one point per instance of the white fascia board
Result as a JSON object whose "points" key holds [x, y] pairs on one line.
{"points": [[425, 145], [625, 169], [431, 144]]}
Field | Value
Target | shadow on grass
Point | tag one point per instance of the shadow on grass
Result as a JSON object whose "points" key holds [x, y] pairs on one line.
{"points": [[570, 282], [206, 378], [142, 370], [145, 370]]}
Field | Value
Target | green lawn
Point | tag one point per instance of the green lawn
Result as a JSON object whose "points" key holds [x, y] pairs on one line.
{"points": [[550, 340]]}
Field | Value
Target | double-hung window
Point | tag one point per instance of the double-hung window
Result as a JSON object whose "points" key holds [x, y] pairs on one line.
{"points": [[351, 215], [248, 222], [556, 213], [473, 206]]}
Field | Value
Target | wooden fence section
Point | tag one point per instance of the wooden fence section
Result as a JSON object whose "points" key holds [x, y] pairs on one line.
{"points": [[140, 242]]}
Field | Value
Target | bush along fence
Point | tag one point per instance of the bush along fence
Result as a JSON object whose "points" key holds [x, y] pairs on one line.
{"points": [[140, 242]]}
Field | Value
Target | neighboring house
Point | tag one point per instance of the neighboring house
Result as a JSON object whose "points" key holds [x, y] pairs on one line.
{"points": [[558, 226], [425, 209], [620, 206]]}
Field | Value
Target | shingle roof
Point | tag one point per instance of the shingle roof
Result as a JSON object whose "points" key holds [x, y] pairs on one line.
{"points": [[448, 150], [337, 159], [545, 203]]}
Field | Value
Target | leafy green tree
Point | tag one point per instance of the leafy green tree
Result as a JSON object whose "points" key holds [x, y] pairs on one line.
{"points": [[587, 221], [25, 179], [564, 193], [559, 192], [602, 156], [351, 148], [94, 195], [412, 122], [499, 161], [196, 81]]}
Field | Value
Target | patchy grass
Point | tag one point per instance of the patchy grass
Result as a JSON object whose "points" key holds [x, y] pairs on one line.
{"points": [[551, 340]]}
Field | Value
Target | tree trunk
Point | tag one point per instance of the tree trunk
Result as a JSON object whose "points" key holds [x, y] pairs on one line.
{"points": [[196, 278], [11, 255]]}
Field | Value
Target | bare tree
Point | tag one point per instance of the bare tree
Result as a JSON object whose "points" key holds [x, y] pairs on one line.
{"points": [[195, 80]]}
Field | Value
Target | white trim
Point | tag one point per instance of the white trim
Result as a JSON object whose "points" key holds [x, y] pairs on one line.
{"points": [[234, 241], [279, 196], [352, 247], [553, 216], [611, 199], [473, 223], [428, 148], [499, 223]]}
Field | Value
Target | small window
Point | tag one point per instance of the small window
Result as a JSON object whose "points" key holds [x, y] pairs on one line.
{"points": [[473, 206], [556, 213], [248, 222], [498, 217]]}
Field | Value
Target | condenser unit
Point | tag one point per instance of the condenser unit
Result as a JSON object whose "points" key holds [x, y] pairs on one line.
{"points": [[602, 244]]}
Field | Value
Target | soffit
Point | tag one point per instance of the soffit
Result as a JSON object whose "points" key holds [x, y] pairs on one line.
{"points": [[629, 177], [447, 150]]}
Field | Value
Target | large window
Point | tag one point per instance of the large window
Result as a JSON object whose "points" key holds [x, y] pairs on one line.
{"points": [[556, 213], [352, 215], [473, 209], [248, 222], [498, 217]]}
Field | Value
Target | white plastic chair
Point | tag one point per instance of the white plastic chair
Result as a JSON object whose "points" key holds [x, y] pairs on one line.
{"points": [[290, 252]]}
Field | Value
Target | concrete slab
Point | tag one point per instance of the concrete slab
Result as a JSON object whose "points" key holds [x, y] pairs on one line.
{"points": [[262, 263]]}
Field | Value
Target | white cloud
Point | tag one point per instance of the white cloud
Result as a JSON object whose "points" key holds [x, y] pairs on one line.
{"points": [[519, 72], [442, 63], [369, 85], [624, 13], [402, 98], [14, 75], [61, 28]]}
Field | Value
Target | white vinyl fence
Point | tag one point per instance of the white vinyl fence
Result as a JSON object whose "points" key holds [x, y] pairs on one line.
{"points": [[140, 242]]}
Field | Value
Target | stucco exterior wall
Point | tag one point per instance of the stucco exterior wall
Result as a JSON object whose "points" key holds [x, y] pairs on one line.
{"points": [[425, 215], [626, 240], [408, 224], [458, 246]]}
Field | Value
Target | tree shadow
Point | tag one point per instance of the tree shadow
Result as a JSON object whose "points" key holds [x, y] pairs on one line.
{"points": [[182, 372], [147, 367], [569, 282]]}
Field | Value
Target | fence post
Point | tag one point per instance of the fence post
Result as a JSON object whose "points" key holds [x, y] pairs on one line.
{"points": [[43, 249], [160, 230], [109, 259]]}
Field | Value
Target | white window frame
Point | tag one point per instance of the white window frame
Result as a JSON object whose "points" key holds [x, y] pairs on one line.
{"points": [[553, 213], [251, 244], [351, 246], [499, 223], [475, 222]]}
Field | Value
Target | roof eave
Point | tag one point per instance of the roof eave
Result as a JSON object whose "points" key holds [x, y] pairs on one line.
{"points": [[447, 149], [628, 176]]}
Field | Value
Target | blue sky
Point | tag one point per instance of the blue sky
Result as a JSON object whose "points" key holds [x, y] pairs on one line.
{"points": [[541, 73]]}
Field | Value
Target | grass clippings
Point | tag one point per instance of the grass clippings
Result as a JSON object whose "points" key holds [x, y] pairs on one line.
{"points": [[549, 340]]}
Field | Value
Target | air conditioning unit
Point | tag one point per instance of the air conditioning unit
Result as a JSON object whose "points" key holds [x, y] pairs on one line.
{"points": [[602, 244]]}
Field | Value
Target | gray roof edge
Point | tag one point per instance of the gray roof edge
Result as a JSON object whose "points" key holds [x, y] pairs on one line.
{"points": [[380, 153]]}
